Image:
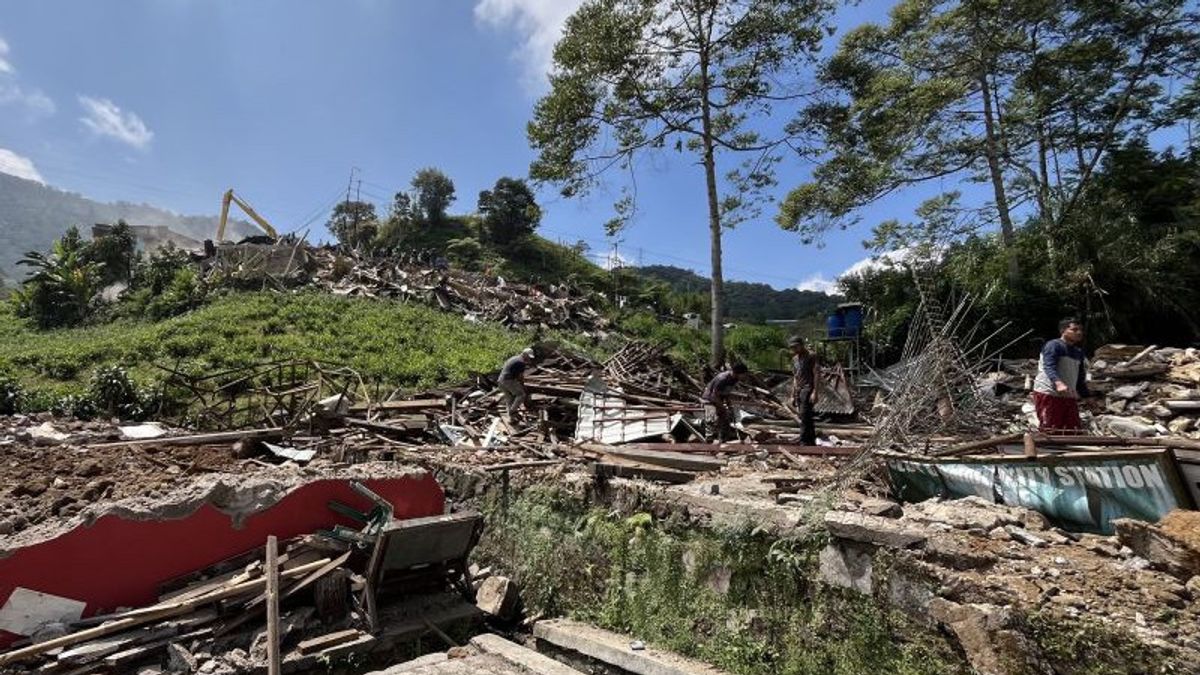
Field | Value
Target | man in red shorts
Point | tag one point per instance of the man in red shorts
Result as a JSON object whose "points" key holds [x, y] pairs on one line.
{"points": [[1061, 381]]}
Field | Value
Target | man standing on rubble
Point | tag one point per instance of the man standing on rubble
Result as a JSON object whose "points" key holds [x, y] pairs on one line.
{"points": [[717, 412], [512, 381], [1061, 380], [805, 391]]}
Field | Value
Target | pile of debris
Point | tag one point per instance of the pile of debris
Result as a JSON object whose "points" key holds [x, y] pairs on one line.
{"points": [[477, 296], [1139, 391]]}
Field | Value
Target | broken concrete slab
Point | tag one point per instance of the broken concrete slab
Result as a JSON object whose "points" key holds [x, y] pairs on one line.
{"points": [[614, 649], [876, 530], [497, 596], [522, 657]]}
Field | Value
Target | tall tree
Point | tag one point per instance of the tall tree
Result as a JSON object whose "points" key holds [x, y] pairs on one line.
{"points": [[993, 91], [354, 223], [632, 76], [509, 210], [434, 194]]}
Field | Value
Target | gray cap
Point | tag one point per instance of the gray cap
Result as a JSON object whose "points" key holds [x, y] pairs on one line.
{"points": [[797, 341]]}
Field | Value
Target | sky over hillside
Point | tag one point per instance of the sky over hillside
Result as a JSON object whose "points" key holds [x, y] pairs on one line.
{"points": [[173, 101]]}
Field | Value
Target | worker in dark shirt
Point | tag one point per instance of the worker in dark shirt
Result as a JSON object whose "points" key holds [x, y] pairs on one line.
{"points": [[805, 391], [717, 412], [1061, 380], [512, 381]]}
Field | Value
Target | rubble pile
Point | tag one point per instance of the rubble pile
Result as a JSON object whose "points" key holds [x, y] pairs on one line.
{"points": [[952, 558], [477, 296], [1138, 391]]}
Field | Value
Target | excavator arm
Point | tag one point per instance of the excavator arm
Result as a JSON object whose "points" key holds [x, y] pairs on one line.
{"points": [[230, 197]]}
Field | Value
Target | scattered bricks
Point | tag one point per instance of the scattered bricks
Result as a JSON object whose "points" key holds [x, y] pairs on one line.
{"points": [[870, 529]]}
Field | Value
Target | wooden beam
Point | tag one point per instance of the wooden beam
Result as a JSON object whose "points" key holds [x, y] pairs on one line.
{"points": [[643, 471], [984, 444], [671, 460], [198, 439], [415, 404], [150, 614], [749, 448], [271, 570]]}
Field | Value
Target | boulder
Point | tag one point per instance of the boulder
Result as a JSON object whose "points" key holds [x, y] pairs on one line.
{"points": [[1127, 426], [497, 596], [1173, 546]]}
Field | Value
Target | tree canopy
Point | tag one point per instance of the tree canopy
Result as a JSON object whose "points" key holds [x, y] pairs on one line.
{"points": [[632, 76], [509, 210]]}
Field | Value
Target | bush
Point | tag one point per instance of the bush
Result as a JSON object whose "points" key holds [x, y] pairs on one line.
{"points": [[465, 252], [11, 394], [114, 394]]}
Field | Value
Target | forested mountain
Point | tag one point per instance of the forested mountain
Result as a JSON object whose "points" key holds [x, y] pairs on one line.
{"points": [[745, 301], [33, 215]]}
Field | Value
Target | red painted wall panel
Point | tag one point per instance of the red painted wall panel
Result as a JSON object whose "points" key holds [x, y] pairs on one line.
{"points": [[122, 563]]}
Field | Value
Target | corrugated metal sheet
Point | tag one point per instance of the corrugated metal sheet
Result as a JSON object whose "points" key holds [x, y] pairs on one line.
{"points": [[605, 418]]}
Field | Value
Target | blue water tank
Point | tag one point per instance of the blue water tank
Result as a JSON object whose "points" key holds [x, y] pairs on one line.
{"points": [[835, 325], [852, 316]]}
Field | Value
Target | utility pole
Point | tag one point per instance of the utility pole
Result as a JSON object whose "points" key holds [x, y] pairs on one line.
{"points": [[349, 185]]}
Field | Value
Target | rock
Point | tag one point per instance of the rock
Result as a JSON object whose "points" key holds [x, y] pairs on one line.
{"points": [[1070, 600], [1025, 536], [983, 633], [59, 483], [968, 513], [1181, 425], [46, 434], [881, 507], [33, 487], [953, 552], [1193, 587], [88, 468], [1129, 391], [846, 565], [497, 596], [1116, 406], [718, 580], [7, 527], [872, 529], [1160, 411], [1171, 547], [1126, 426], [180, 660]]}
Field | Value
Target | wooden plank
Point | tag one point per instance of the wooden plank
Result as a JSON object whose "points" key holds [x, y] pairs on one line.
{"points": [[671, 460], [750, 448], [146, 615], [271, 570], [329, 640], [507, 466], [984, 444], [398, 429], [643, 471], [415, 404], [198, 439]]}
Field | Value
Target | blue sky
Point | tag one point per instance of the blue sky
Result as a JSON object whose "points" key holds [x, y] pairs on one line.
{"points": [[170, 102]]}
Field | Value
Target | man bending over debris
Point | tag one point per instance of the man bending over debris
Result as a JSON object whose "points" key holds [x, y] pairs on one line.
{"points": [[804, 387], [512, 381], [1061, 380], [717, 413]]}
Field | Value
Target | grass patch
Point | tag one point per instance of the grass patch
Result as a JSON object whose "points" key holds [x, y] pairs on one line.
{"points": [[408, 346], [737, 598]]}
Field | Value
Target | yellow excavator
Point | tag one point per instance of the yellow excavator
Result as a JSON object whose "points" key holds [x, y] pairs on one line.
{"points": [[231, 197]]}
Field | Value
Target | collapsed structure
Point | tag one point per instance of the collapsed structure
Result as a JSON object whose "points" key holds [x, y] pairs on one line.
{"points": [[934, 499]]}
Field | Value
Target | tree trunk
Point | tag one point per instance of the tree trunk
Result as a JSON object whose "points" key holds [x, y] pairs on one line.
{"points": [[717, 356], [993, 159]]}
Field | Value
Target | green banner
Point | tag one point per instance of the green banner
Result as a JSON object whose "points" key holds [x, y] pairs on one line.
{"points": [[1084, 492]]}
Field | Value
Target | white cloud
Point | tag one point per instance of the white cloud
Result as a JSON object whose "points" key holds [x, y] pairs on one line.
{"points": [[5, 65], [818, 283], [538, 22], [22, 167], [105, 118], [36, 103]]}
